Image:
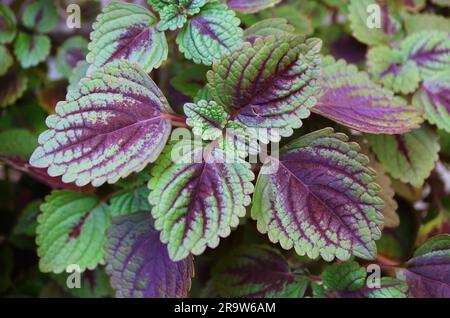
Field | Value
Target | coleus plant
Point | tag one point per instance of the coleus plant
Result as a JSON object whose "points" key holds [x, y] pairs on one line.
{"points": [[124, 201]]}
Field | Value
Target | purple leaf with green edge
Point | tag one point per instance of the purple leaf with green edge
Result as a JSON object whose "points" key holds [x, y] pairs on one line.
{"points": [[274, 26], [70, 53], [197, 196], [428, 272], [6, 61], [138, 263], [31, 50], [71, 230], [114, 123], [40, 16], [129, 201], [13, 87], [434, 98], [409, 157], [271, 83], [353, 100], [359, 15], [257, 271], [127, 31], [8, 24], [212, 33], [250, 6], [335, 213], [207, 119]]}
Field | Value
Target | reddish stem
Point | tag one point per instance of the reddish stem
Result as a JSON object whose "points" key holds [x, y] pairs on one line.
{"points": [[176, 120]]}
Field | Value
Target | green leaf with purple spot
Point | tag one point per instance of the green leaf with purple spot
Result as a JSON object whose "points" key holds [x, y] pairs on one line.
{"points": [[13, 87], [71, 230], [31, 50], [257, 271], [353, 100], [127, 31], [250, 6], [8, 24], [428, 272], [434, 98], [210, 34], [70, 53], [112, 124], [138, 263], [271, 83], [197, 198], [321, 199], [40, 16], [409, 157]]}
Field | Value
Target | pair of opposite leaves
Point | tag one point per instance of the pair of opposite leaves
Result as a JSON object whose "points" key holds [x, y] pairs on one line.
{"points": [[116, 122]]}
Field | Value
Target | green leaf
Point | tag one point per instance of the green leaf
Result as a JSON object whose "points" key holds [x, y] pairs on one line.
{"points": [[69, 54], [415, 23], [190, 79], [345, 276], [210, 34], [40, 16], [8, 25], [130, 201], [207, 119], [274, 26], [17, 143], [6, 60], [71, 230], [31, 50], [257, 271], [409, 157], [173, 14], [27, 221], [13, 87], [197, 198], [127, 31]]}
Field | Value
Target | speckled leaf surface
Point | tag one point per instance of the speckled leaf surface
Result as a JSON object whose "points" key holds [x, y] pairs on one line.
{"points": [[210, 34], [352, 99], [428, 272], [271, 83], [409, 157], [111, 125], [257, 271], [31, 50], [321, 200], [127, 31], [8, 24], [434, 98], [71, 230], [138, 263], [197, 199], [173, 14], [250, 6], [207, 119]]}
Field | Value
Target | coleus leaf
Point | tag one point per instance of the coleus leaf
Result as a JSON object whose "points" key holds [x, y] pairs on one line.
{"points": [[428, 272], [78, 73], [359, 16], [409, 157], [271, 83], [6, 61], [17, 142], [210, 34], [40, 16], [335, 212], [127, 31], [129, 201], [8, 24], [173, 14], [348, 280], [251, 6], [197, 198], [207, 119], [257, 271], [420, 22], [31, 50], [71, 230], [111, 125], [70, 53], [274, 26], [139, 264], [13, 86], [352, 99], [27, 221], [434, 98]]}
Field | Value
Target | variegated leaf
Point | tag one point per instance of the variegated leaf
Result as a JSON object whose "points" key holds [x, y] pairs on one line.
{"points": [[173, 14], [127, 31], [321, 199], [111, 125], [207, 119]]}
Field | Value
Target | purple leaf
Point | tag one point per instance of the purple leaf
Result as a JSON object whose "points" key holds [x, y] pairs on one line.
{"points": [[352, 99], [428, 272], [321, 199], [139, 264], [250, 6], [111, 125]]}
